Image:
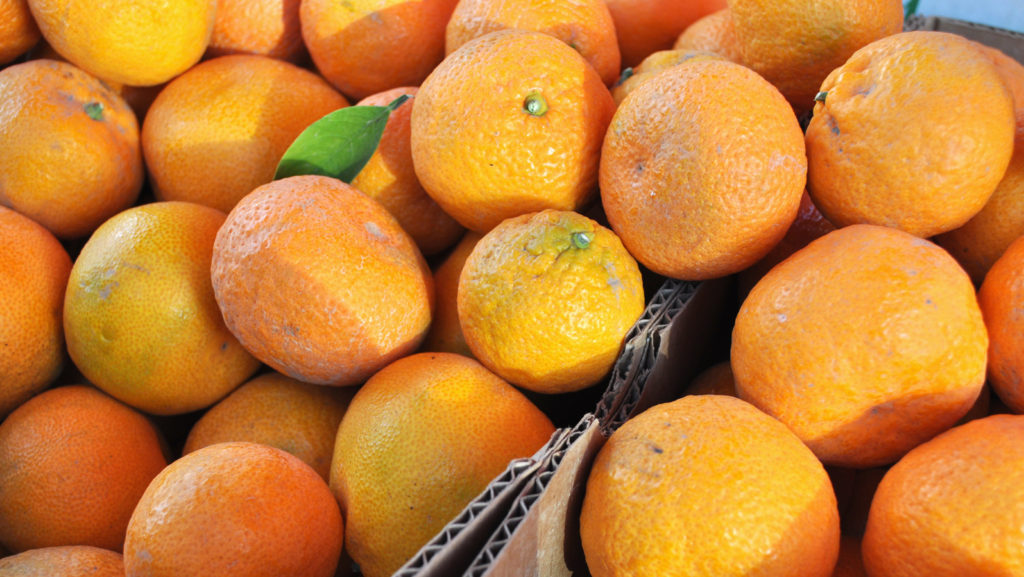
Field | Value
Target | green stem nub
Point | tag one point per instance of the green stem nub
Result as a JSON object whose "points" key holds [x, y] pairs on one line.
{"points": [[94, 110], [535, 104], [820, 97], [581, 239]]}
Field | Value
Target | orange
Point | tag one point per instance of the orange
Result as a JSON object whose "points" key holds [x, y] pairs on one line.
{"points": [[18, 30], [866, 342], [1001, 296], [128, 41], [265, 27], [654, 64], [545, 300], [795, 44], [140, 318], [982, 239], [420, 440], [714, 380], [708, 485], [510, 123], [367, 46], [73, 464], [585, 25], [713, 33], [445, 334], [320, 282], [809, 225], [952, 506], [892, 100], [235, 509], [35, 269], [389, 177], [96, 169], [646, 26], [279, 411], [219, 130], [66, 561], [850, 563], [679, 214]]}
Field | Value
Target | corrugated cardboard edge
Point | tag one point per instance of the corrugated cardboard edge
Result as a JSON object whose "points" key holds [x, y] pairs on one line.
{"points": [[452, 550], [1010, 42]]}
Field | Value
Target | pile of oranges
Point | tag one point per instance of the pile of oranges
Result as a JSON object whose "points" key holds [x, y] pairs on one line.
{"points": [[209, 370]]}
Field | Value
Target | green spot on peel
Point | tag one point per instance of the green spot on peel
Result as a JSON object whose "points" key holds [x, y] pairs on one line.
{"points": [[94, 110], [535, 104], [581, 239]]}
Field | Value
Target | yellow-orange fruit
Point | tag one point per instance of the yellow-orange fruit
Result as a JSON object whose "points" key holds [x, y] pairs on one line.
{"points": [[265, 27], [73, 464], [420, 440], [64, 561], [1001, 297], [31, 329], [445, 333], [708, 485], [18, 30], [646, 26], [712, 33], [866, 343], [235, 510], [319, 281], [510, 123]]}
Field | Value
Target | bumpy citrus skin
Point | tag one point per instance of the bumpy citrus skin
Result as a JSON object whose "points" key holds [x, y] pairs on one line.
{"points": [[64, 561], [69, 147], [445, 333], [128, 41], [702, 169], [390, 178], [712, 33], [235, 510], [654, 64], [545, 300], [795, 44], [1001, 297], [320, 282], [646, 26], [367, 46], [18, 30], [895, 99], [31, 328], [510, 123], [586, 26], [422, 438], [73, 464], [218, 131], [708, 485], [140, 318], [952, 506], [866, 342], [266, 27]]}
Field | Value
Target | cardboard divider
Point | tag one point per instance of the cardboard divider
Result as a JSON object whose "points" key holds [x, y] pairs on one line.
{"points": [[1010, 42]]}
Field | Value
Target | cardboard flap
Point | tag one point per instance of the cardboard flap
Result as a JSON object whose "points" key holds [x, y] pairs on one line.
{"points": [[1010, 42], [541, 534], [452, 550]]}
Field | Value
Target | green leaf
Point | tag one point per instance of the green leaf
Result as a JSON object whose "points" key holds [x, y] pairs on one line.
{"points": [[338, 145], [910, 8]]}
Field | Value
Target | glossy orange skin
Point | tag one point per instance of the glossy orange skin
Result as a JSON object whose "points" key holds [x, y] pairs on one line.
{"points": [[1000, 297], [367, 46], [585, 25], [445, 333], [952, 506], [31, 330], [713, 33], [646, 26], [64, 561], [702, 170], [654, 64], [478, 151], [59, 165], [18, 30], [422, 438], [390, 178], [795, 44], [126, 41], [867, 342], [105, 454], [708, 485], [320, 282], [218, 131], [895, 94], [140, 318], [265, 27], [235, 509], [279, 411]]}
